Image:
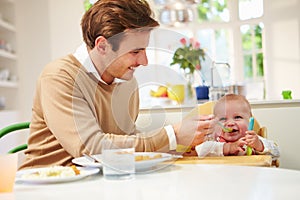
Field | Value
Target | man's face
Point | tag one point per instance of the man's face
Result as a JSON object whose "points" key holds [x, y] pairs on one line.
{"points": [[130, 55]]}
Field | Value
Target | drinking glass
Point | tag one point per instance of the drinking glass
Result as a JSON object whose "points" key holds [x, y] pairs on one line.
{"points": [[176, 92], [8, 170], [118, 159]]}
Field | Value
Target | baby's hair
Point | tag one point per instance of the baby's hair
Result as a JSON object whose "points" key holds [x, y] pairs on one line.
{"points": [[233, 97]]}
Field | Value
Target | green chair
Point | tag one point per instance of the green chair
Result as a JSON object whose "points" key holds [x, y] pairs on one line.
{"points": [[14, 127]]}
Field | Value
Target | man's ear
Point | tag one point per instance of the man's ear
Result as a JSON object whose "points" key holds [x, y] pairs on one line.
{"points": [[101, 44]]}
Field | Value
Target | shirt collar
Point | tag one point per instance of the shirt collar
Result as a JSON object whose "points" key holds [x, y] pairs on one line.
{"points": [[82, 55]]}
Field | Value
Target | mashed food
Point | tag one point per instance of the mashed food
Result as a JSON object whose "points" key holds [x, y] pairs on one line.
{"points": [[54, 171]]}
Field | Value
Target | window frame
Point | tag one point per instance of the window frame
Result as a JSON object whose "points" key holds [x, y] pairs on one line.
{"points": [[236, 59]]}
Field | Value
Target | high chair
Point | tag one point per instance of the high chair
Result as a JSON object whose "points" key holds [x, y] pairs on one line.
{"points": [[262, 131], [207, 109], [15, 127]]}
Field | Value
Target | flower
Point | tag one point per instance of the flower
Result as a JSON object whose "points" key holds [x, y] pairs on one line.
{"points": [[189, 56]]}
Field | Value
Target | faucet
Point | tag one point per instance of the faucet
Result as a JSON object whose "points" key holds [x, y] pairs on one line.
{"points": [[216, 92], [213, 66]]}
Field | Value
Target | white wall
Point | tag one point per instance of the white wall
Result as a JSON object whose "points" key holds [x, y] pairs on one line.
{"points": [[46, 30], [282, 34], [65, 29], [282, 126], [33, 41]]}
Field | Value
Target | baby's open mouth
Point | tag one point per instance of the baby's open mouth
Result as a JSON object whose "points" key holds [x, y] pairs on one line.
{"points": [[229, 130]]}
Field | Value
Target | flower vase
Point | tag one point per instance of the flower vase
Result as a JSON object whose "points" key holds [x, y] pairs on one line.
{"points": [[190, 97]]}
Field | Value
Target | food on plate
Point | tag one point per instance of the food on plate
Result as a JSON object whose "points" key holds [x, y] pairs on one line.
{"points": [[147, 157], [75, 169], [54, 171]]}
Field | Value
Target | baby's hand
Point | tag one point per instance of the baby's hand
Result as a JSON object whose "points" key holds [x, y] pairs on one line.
{"points": [[252, 140], [233, 148]]}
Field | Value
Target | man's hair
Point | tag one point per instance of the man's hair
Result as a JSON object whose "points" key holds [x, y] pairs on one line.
{"points": [[108, 18], [233, 97]]}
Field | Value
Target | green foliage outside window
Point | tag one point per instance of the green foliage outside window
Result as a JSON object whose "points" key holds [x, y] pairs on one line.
{"points": [[258, 36], [212, 10], [248, 72], [215, 11], [250, 46], [260, 65], [87, 5]]}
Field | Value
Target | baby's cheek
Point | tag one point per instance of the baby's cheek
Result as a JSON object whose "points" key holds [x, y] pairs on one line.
{"points": [[243, 131]]}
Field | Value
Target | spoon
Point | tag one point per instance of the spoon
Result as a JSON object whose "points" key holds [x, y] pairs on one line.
{"points": [[225, 129], [250, 128]]}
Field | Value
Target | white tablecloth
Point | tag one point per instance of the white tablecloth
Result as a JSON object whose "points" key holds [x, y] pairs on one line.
{"points": [[178, 181]]}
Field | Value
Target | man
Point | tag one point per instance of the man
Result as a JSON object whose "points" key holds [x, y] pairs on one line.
{"points": [[91, 94]]}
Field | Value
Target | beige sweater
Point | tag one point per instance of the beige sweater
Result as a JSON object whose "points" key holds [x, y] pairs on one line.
{"points": [[72, 112]]}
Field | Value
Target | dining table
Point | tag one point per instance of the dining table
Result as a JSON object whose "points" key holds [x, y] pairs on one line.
{"points": [[180, 179]]}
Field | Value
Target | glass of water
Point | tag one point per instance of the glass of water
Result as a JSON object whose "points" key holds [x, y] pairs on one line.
{"points": [[118, 159]]}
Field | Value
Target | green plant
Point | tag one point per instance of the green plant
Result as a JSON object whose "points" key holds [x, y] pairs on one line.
{"points": [[87, 5], [189, 56]]}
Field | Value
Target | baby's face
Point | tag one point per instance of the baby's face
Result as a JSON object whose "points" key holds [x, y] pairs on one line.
{"points": [[234, 116]]}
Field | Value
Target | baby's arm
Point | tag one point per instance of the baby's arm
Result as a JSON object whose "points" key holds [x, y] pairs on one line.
{"points": [[262, 145], [270, 148], [233, 148], [210, 148]]}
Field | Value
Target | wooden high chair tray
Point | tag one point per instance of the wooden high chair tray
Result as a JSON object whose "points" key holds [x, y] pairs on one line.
{"points": [[254, 160]]}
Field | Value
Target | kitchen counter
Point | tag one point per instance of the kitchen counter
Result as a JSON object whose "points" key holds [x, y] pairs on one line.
{"points": [[254, 104]]}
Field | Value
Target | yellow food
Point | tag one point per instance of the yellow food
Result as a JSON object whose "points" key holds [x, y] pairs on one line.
{"points": [[75, 169], [147, 157]]}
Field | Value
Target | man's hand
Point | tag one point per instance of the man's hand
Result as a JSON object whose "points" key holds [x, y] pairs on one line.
{"points": [[191, 131]]}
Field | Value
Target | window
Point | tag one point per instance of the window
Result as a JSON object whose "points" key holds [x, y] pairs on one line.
{"points": [[231, 31], [227, 30], [252, 50], [250, 9], [212, 10]]}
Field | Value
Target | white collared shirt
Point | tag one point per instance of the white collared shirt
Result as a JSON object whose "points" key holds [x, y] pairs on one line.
{"points": [[82, 55]]}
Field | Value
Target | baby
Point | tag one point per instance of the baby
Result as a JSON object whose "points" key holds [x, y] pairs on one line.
{"points": [[233, 112]]}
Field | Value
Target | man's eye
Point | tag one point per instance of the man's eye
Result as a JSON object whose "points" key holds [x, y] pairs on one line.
{"points": [[135, 52]]}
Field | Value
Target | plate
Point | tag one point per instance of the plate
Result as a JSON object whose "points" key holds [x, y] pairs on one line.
{"points": [[145, 165], [83, 161], [21, 175], [139, 165]]}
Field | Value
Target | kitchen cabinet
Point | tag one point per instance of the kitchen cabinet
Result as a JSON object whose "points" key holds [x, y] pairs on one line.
{"points": [[8, 57]]}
